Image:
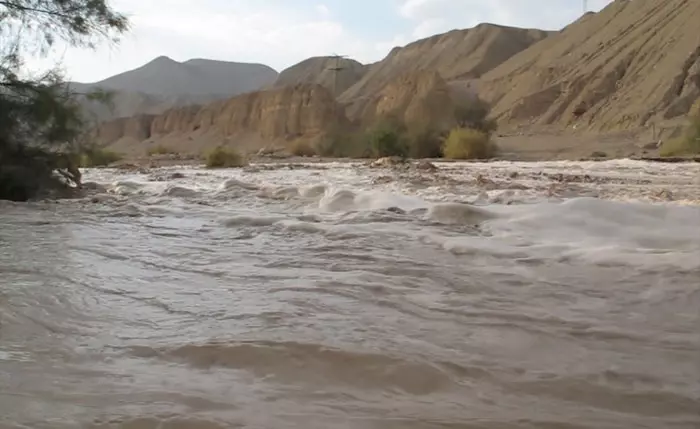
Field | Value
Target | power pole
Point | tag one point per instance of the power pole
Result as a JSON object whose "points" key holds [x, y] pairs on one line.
{"points": [[335, 71]]}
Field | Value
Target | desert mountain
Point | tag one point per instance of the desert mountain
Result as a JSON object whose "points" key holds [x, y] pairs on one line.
{"points": [[336, 74], [456, 55], [634, 63], [252, 119], [164, 83], [414, 83]]}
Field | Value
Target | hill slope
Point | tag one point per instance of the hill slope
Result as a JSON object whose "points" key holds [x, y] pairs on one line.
{"points": [[320, 70], [632, 64], [456, 55], [164, 83]]}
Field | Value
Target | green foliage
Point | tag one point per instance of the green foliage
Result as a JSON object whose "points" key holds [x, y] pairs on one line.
{"points": [[97, 157], [386, 142], [79, 22], [225, 158], [40, 121], [467, 143], [386, 139], [689, 143]]}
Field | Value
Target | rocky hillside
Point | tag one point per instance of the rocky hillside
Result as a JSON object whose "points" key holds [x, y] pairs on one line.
{"points": [[164, 83], [416, 98], [415, 83], [457, 55], [251, 119], [336, 74], [633, 64]]}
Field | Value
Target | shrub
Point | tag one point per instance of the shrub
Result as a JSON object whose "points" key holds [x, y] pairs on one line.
{"points": [[302, 148], [97, 157], [224, 158], [385, 142], [688, 144], [599, 154], [424, 142], [467, 143], [339, 144], [473, 113]]}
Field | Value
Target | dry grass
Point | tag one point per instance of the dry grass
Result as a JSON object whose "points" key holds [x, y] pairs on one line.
{"points": [[222, 157], [467, 143]]}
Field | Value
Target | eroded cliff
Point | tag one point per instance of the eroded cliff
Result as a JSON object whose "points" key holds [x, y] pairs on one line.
{"points": [[304, 110]]}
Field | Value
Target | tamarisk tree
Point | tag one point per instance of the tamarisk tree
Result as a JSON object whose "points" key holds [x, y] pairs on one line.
{"points": [[40, 121]]}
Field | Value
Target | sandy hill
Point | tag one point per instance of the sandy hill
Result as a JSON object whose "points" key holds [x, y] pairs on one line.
{"points": [[415, 83], [635, 63], [164, 83], [253, 119], [456, 55], [336, 74]]}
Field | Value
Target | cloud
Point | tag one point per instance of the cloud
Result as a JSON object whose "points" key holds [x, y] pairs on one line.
{"points": [[323, 10], [262, 31]]}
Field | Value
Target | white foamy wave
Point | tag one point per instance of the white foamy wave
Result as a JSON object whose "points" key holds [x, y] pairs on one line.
{"points": [[346, 200], [594, 231], [458, 213], [180, 192], [235, 184]]}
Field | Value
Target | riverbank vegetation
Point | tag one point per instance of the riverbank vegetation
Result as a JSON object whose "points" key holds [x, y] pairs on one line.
{"points": [[689, 142], [470, 138], [221, 157], [40, 119]]}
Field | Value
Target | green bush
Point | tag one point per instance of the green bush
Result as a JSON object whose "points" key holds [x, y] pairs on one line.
{"points": [[385, 141], [224, 158], [98, 157], [688, 144], [467, 143]]}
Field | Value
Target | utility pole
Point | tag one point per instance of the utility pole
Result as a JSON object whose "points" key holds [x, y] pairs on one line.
{"points": [[585, 6], [335, 71]]}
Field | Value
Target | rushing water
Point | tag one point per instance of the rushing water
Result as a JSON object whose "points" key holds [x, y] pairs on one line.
{"points": [[544, 295]]}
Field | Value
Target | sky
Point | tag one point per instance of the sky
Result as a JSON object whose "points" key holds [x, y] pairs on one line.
{"points": [[280, 33]]}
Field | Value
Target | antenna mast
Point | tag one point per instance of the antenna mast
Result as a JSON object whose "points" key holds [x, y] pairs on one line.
{"points": [[335, 71]]}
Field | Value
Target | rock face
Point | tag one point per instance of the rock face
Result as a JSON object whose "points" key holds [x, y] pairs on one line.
{"points": [[336, 74], [306, 110], [164, 83], [632, 64], [421, 97], [457, 55]]}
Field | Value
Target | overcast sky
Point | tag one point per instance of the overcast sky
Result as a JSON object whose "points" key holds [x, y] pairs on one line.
{"points": [[280, 33]]}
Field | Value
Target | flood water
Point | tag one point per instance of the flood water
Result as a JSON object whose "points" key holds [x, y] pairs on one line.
{"points": [[501, 295]]}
